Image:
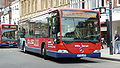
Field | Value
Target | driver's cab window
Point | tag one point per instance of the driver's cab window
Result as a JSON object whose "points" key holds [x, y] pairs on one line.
{"points": [[54, 26]]}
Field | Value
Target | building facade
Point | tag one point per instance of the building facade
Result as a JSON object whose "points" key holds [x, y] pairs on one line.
{"points": [[1, 8], [6, 12], [5, 17], [31, 8], [15, 15], [116, 17]]}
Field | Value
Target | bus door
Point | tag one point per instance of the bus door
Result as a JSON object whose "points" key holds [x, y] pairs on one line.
{"points": [[54, 28]]}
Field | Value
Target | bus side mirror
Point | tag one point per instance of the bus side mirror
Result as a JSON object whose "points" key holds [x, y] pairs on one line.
{"points": [[53, 30]]}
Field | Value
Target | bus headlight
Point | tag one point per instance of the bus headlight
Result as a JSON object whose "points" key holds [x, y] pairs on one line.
{"points": [[62, 51], [97, 51]]}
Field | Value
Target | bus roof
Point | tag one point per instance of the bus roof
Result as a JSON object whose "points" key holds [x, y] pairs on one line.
{"points": [[59, 9], [1, 25], [53, 9], [7, 24]]}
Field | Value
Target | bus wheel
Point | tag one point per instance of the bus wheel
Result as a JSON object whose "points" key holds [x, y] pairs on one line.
{"points": [[43, 52]]}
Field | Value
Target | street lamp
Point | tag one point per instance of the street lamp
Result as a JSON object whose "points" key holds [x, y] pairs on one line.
{"points": [[109, 26]]}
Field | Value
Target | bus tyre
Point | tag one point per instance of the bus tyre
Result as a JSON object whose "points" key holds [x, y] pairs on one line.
{"points": [[44, 52]]}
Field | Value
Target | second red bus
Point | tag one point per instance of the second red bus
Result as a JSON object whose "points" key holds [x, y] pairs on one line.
{"points": [[8, 35]]}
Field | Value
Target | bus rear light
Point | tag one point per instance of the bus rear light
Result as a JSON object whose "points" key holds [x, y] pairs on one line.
{"points": [[96, 51], [62, 51]]}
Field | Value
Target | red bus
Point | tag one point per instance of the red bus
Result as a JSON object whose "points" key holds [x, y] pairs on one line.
{"points": [[62, 33], [8, 35]]}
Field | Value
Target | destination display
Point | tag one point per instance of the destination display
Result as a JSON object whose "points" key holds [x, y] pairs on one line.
{"points": [[9, 26], [81, 14]]}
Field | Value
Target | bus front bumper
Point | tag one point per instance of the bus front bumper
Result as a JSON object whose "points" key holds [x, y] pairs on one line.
{"points": [[14, 45], [72, 55]]}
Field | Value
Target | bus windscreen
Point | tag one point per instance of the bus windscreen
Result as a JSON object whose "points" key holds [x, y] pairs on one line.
{"points": [[9, 32], [80, 26]]}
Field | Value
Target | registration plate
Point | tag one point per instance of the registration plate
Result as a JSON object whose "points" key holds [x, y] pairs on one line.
{"points": [[81, 55]]}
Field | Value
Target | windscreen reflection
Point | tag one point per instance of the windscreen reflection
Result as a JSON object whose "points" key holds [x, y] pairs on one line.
{"points": [[80, 29]]}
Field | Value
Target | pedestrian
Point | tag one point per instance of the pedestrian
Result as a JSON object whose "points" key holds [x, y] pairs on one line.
{"points": [[102, 40], [116, 42], [103, 43]]}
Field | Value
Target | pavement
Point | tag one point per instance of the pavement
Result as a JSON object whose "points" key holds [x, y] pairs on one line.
{"points": [[105, 54]]}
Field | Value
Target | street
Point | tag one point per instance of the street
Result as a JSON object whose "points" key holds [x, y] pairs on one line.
{"points": [[14, 58]]}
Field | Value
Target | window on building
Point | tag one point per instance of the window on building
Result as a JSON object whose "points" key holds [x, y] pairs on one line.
{"points": [[28, 7], [54, 3], [67, 1], [36, 5], [49, 3], [93, 4], [118, 2], [77, 4], [83, 4], [15, 7], [60, 2], [44, 4], [96, 3], [102, 2]]}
